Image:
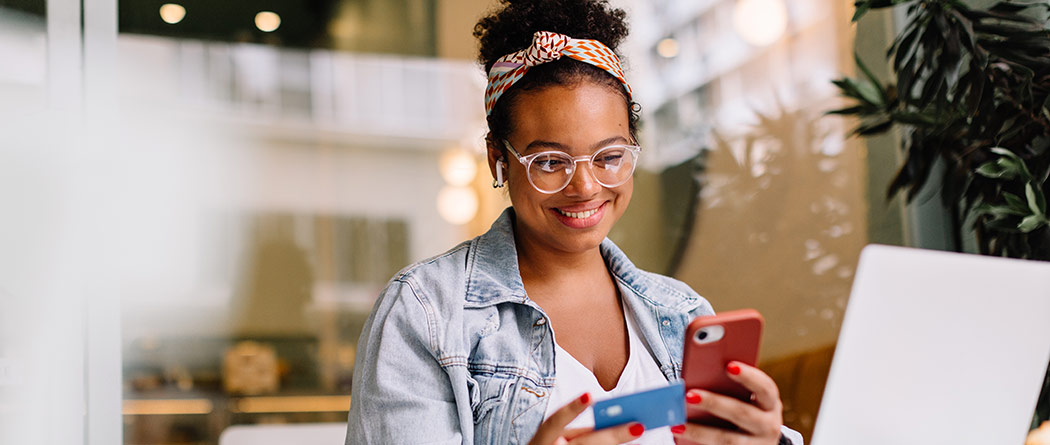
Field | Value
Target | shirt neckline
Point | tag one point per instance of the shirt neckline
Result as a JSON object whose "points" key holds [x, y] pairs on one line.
{"points": [[629, 368]]}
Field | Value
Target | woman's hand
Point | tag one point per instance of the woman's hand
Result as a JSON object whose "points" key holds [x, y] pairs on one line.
{"points": [[759, 422], [553, 432]]}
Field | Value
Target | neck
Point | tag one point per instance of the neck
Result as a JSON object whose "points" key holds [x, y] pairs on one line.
{"points": [[537, 262]]}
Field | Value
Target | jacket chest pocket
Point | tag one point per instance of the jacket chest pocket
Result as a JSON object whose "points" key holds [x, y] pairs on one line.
{"points": [[490, 401]]}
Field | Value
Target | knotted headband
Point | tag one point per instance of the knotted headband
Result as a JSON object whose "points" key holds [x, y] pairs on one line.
{"points": [[547, 47]]}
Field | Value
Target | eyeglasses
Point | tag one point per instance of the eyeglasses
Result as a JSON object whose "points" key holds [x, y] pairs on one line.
{"points": [[551, 171]]}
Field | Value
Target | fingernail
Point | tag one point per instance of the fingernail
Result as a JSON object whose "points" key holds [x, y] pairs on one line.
{"points": [[733, 368], [637, 429], [678, 429], [692, 398], [585, 398]]}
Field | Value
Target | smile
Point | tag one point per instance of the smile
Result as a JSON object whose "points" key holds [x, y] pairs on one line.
{"points": [[578, 218], [579, 215]]}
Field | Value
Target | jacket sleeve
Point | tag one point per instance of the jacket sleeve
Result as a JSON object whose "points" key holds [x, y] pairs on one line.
{"points": [[400, 392], [789, 436]]}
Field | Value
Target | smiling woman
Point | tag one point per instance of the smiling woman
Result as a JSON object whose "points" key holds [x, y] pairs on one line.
{"points": [[578, 120], [511, 336]]}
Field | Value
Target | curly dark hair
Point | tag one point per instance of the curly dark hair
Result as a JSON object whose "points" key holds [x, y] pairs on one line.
{"points": [[510, 29]]}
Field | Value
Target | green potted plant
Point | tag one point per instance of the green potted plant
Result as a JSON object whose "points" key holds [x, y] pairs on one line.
{"points": [[972, 99]]}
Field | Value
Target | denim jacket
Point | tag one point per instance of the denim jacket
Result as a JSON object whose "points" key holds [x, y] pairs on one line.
{"points": [[454, 350]]}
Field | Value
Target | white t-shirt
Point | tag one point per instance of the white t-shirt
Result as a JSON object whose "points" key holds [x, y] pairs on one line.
{"points": [[641, 373]]}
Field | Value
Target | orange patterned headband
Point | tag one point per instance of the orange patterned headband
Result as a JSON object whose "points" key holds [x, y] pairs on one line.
{"points": [[547, 47]]}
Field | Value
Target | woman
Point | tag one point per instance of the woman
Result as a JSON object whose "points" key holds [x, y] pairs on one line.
{"points": [[509, 337]]}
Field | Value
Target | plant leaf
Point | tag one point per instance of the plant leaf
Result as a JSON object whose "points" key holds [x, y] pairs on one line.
{"points": [[871, 77], [1013, 162], [862, 8], [1016, 203], [1004, 152], [991, 169], [847, 111], [1046, 107], [997, 211], [914, 118], [1003, 225], [872, 129], [1009, 7], [1030, 223], [1036, 201], [1011, 167]]}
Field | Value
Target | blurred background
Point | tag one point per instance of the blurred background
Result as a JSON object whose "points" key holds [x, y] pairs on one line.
{"points": [[201, 200]]}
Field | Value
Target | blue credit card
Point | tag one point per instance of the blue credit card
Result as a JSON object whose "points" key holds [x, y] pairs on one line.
{"points": [[653, 408]]}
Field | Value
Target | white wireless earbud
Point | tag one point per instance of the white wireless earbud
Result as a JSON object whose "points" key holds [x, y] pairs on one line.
{"points": [[499, 174]]}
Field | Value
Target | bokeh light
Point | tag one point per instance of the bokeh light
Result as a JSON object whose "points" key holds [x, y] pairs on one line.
{"points": [[267, 21], [667, 48], [760, 22], [172, 13], [457, 205], [458, 167]]}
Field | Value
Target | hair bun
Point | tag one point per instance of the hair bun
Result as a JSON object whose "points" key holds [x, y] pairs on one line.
{"points": [[510, 28]]}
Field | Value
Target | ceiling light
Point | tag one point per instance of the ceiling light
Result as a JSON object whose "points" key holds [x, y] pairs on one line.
{"points": [[760, 22], [457, 205], [267, 21], [458, 167], [667, 48], [172, 13]]}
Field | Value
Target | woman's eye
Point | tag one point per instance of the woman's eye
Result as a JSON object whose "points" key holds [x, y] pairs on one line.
{"points": [[550, 164], [609, 159]]}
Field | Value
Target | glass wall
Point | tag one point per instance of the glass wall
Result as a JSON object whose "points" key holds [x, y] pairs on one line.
{"points": [[736, 92], [217, 196], [43, 315], [285, 187]]}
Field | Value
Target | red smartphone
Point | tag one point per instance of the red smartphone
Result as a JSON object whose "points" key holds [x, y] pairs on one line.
{"points": [[711, 342]]}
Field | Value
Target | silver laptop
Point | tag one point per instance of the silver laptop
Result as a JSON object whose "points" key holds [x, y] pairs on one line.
{"points": [[938, 348]]}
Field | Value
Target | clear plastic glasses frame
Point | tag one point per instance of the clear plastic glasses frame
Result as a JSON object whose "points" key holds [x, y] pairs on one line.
{"points": [[601, 169]]}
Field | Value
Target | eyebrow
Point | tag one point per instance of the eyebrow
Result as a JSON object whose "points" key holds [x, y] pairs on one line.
{"points": [[559, 146]]}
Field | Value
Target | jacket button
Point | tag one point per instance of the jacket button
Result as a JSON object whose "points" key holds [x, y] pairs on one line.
{"points": [[666, 322], [540, 322]]}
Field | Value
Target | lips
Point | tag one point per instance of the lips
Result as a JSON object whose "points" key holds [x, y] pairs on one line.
{"points": [[578, 215], [581, 216]]}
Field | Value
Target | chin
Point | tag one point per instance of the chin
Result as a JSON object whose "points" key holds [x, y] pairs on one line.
{"points": [[582, 241]]}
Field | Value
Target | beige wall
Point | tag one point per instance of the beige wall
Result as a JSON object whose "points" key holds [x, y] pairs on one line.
{"points": [[455, 27]]}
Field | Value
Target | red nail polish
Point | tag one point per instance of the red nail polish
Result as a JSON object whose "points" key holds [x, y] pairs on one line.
{"points": [[585, 398], [733, 368], [637, 429], [692, 398], [678, 429]]}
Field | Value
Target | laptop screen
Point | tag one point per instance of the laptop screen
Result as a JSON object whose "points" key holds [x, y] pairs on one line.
{"points": [[938, 348]]}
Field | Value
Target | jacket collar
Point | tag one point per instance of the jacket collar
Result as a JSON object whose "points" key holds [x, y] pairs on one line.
{"points": [[493, 276], [492, 268]]}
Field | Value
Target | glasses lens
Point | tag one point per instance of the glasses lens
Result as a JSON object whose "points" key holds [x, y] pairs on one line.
{"points": [[550, 172], [613, 165]]}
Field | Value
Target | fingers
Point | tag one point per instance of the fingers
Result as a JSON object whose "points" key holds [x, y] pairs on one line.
{"points": [[749, 418], [703, 434], [573, 433], [767, 395], [746, 416], [553, 428], [612, 435]]}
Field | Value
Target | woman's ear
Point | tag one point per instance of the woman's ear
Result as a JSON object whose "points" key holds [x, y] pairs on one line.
{"points": [[497, 163]]}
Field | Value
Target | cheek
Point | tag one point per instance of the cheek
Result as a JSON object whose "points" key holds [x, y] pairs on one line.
{"points": [[626, 191], [521, 193]]}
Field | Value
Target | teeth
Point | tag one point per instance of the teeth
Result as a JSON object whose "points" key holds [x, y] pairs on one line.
{"points": [[579, 215]]}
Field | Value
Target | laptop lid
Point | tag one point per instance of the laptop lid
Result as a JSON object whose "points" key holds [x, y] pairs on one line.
{"points": [[938, 348]]}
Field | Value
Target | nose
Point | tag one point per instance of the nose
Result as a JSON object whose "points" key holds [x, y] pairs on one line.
{"points": [[583, 183]]}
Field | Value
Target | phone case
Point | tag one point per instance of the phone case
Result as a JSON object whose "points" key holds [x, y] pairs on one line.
{"points": [[704, 360]]}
